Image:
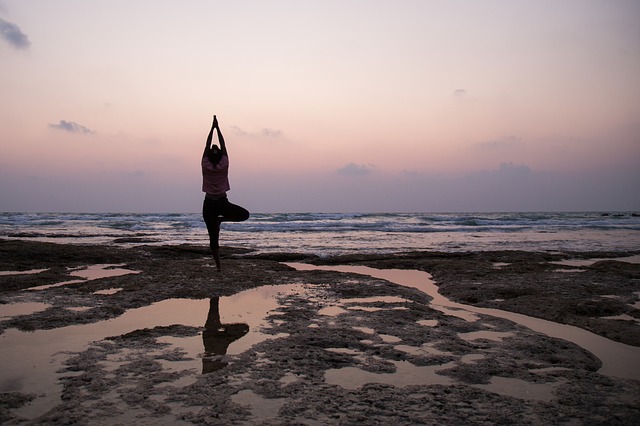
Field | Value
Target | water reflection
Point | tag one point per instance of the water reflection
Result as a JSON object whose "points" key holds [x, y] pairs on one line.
{"points": [[31, 362], [217, 337]]}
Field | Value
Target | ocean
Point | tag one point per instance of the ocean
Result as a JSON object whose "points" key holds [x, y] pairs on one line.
{"points": [[341, 233]]}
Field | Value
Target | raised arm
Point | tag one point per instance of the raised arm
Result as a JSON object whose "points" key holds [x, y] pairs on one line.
{"points": [[223, 147], [207, 147]]}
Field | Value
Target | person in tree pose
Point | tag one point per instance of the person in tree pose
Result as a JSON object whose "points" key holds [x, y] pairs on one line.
{"points": [[215, 184], [217, 337]]}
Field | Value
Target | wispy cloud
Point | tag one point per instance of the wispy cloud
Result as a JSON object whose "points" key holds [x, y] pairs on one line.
{"points": [[353, 169], [266, 132], [458, 93], [515, 170], [13, 35], [507, 174], [70, 126], [271, 133]]}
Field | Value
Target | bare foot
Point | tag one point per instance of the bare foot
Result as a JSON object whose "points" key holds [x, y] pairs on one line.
{"points": [[216, 257]]}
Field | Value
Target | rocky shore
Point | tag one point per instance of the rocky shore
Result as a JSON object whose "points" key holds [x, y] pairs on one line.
{"points": [[336, 348]]}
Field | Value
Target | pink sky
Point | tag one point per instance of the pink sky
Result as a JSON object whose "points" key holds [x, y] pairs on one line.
{"points": [[326, 106]]}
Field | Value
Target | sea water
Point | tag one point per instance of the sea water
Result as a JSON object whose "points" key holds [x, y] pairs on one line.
{"points": [[341, 233]]}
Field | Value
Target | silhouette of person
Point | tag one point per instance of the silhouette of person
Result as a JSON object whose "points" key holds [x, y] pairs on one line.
{"points": [[215, 184], [217, 337]]}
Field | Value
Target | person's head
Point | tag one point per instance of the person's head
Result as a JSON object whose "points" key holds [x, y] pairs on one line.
{"points": [[215, 154]]}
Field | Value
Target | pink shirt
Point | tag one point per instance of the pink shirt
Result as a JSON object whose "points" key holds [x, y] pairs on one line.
{"points": [[215, 179]]}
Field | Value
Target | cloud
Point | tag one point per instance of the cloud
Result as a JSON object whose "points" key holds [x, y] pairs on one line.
{"points": [[271, 133], [507, 174], [70, 126], [12, 34], [353, 169], [266, 132], [458, 93], [511, 170], [238, 131]]}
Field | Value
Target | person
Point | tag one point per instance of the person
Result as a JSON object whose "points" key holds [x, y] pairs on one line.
{"points": [[217, 337], [215, 184]]}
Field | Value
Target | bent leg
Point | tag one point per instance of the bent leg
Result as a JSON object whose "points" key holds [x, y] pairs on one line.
{"points": [[233, 213]]}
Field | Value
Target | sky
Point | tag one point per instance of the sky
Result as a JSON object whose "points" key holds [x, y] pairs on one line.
{"points": [[326, 106]]}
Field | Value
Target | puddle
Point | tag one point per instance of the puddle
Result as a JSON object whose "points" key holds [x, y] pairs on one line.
{"points": [[623, 317], [374, 309], [353, 304], [347, 351], [289, 378], [261, 408], [387, 338], [332, 311], [92, 272], [79, 308], [60, 284], [108, 291], [365, 330], [519, 388], [381, 299], [549, 370], [618, 359], [589, 262], [495, 336], [21, 308], [426, 349], [233, 325], [29, 360], [30, 271], [406, 374], [471, 358]]}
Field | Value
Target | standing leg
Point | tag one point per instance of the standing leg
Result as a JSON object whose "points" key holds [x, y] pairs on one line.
{"points": [[210, 214]]}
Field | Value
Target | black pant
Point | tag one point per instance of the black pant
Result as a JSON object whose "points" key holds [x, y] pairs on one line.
{"points": [[216, 211]]}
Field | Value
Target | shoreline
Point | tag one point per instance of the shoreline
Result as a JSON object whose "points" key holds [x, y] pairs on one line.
{"points": [[367, 338], [342, 233]]}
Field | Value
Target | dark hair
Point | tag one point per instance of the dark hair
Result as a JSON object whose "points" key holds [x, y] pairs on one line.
{"points": [[214, 155]]}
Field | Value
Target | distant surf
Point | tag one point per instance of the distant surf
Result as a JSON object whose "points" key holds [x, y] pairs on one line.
{"points": [[339, 233]]}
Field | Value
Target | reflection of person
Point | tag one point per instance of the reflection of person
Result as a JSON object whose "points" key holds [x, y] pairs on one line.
{"points": [[215, 183], [217, 337]]}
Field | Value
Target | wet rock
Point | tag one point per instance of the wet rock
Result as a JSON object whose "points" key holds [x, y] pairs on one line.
{"points": [[138, 372]]}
